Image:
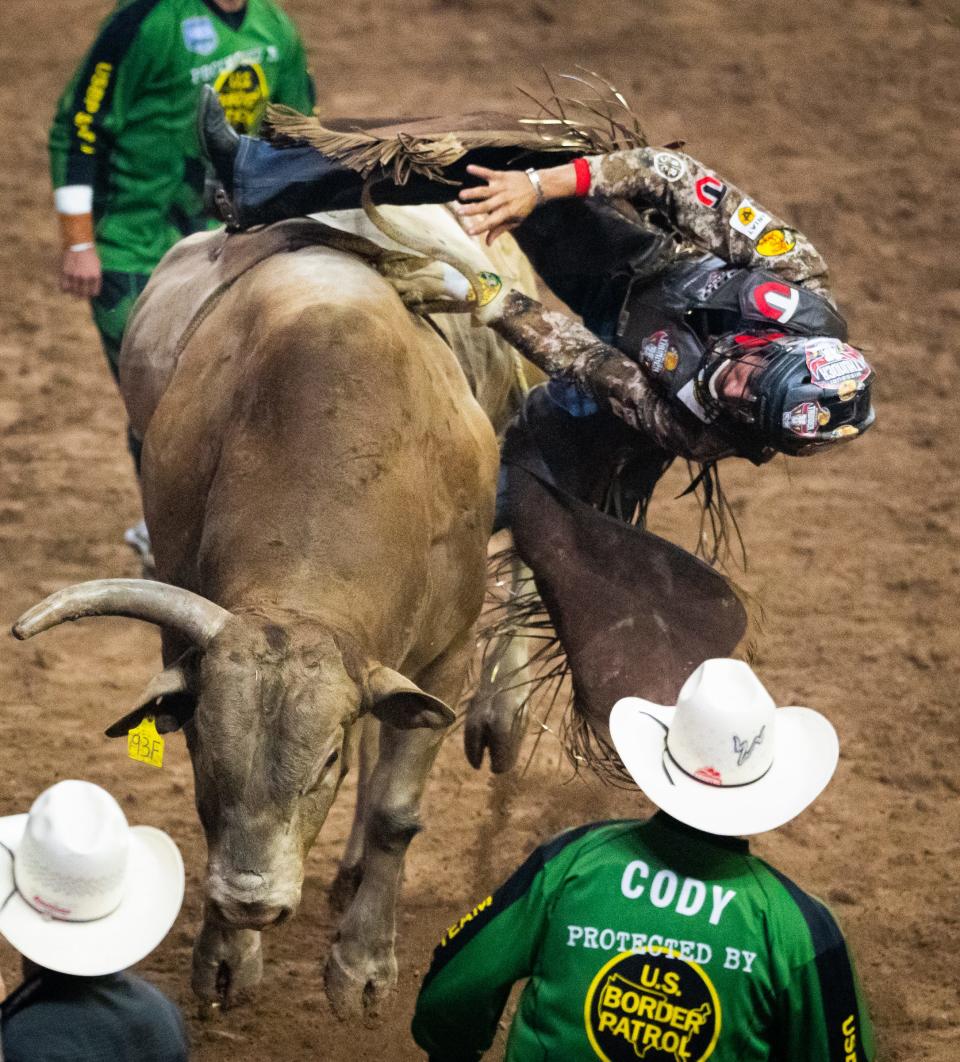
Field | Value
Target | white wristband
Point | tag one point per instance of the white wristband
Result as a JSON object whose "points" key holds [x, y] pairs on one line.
{"points": [[537, 185], [81, 246], [73, 199]]}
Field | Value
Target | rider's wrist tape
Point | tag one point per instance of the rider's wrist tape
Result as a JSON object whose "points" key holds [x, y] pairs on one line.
{"points": [[81, 246], [582, 168], [75, 229], [537, 185]]}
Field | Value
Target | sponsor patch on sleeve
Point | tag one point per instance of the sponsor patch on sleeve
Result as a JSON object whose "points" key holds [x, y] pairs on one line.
{"points": [[710, 190], [776, 242], [748, 219], [670, 167]]}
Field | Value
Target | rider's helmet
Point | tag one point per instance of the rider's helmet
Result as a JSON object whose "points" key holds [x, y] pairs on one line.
{"points": [[763, 360], [793, 394]]}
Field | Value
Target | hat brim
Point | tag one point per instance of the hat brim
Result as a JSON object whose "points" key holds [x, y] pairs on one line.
{"points": [[805, 757], [150, 904]]}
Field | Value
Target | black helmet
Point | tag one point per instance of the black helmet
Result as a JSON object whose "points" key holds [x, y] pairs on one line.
{"points": [[789, 393]]}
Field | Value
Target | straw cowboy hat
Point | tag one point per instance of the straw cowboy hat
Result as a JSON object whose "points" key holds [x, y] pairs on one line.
{"points": [[725, 759], [85, 893]]}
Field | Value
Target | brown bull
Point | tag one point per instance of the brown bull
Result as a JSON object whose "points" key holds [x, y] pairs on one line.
{"points": [[319, 477]]}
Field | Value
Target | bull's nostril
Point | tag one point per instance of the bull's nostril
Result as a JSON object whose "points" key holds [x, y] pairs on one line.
{"points": [[245, 881]]}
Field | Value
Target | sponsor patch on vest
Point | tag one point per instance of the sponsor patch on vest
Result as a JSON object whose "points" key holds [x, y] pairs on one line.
{"points": [[777, 301], [658, 354], [652, 1007], [715, 280], [199, 36]]}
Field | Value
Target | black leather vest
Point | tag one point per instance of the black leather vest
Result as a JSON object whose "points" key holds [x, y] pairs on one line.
{"points": [[668, 323]]}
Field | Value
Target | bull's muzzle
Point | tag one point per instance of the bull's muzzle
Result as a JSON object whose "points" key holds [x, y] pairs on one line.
{"points": [[247, 901]]}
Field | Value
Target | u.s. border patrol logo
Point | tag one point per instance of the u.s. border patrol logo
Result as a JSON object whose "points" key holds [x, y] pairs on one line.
{"points": [[659, 1008], [199, 36]]}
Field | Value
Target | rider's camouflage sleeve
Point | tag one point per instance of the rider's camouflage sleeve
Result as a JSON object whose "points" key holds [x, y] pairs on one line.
{"points": [[709, 210], [566, 350]]}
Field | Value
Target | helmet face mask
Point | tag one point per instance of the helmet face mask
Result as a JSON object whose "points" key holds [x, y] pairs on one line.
{"points": [[786, 393]]}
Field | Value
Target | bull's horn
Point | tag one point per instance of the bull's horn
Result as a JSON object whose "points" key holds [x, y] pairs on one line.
{"points": [[193, 616]]}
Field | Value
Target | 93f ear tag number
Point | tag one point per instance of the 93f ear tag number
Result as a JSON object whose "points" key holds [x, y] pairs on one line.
{"points": [[145, 744]]}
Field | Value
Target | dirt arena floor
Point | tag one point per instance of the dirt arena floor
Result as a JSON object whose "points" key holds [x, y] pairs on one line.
{"points": [[843, 118]]}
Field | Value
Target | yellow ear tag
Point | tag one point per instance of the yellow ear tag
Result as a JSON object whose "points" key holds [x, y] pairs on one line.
{"points": [[145, 744]]}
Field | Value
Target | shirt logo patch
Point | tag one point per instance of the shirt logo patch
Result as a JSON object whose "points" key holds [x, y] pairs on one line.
{"points": [[199, 36], [656, 1007], [244, 94]]}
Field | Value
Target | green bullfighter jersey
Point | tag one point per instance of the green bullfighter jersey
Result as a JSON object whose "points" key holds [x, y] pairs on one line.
{"points": [[646, 940], [126, 123]]}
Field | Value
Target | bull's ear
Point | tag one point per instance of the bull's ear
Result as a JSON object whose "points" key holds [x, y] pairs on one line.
{"points": [[168, 698], [396, 700]]}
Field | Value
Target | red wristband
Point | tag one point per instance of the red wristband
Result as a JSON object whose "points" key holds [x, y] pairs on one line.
{"points": [[582, 168]]}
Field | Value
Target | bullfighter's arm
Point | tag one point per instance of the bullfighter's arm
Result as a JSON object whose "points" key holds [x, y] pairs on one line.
{"points": [[481, 955], [819, 1010], [568, 351]]}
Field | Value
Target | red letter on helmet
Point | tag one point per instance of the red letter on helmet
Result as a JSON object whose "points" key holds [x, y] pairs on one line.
{"points": [[779, 302]]}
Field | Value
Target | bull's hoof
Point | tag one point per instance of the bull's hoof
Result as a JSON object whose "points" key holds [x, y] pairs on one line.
{"points": [[227, 967], [498, 727], [209, 1011], [344, 888], [361, 991]]}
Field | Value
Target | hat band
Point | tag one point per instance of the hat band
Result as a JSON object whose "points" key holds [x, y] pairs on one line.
{"points": [[702, 781], [47, 910]]}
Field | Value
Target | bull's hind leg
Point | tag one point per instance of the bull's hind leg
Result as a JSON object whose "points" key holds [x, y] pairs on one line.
{"points": [[497, 712], [362, 966]]}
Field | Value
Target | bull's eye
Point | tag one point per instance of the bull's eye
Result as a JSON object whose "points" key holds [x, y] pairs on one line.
{"points": [[324, 770]]}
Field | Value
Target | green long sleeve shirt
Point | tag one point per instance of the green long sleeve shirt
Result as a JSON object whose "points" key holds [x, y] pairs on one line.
{"points": [[646, 940], [125, 125]]}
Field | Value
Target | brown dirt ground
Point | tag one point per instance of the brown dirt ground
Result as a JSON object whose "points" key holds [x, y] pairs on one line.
{"points": [[842, 117]]}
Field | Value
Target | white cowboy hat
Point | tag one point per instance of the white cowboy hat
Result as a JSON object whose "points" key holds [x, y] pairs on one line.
{"points": [[83, 893], [725, 759]]}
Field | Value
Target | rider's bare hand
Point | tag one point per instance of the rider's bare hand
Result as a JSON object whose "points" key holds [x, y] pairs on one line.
{"points": [[80, 273], [497, 206]]}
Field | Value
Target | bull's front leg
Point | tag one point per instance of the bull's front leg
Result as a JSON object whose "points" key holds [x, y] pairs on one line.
{"points": [[362, 966], [227, 963], [347, 880]]}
